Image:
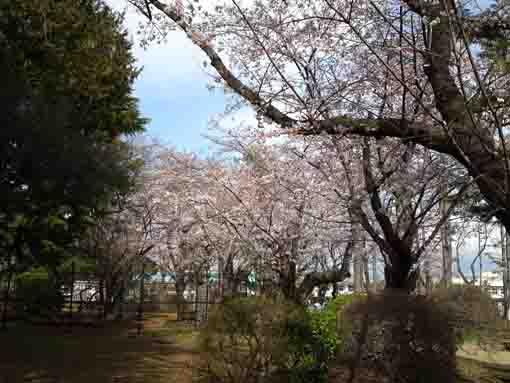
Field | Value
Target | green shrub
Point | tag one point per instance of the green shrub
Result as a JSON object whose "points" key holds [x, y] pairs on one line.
{"points": [[327, 322], [36, 293], [257, 339]]}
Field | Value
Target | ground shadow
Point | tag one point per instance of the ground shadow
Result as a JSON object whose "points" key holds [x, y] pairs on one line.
{"points": [[48, 354]]}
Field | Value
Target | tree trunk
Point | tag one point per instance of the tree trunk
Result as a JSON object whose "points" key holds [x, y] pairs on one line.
{"points": [[400, 277], [180, 287], [121, 295], [357, 258], [473, 145], [446, 250], [366, 273], [228, 279], [288, 282], [101, 299]]}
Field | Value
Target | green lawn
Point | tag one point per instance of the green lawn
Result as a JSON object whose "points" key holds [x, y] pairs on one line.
{"points": [[44, 354]]}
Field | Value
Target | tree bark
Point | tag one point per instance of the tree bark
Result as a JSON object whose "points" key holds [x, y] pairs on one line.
{"points": [[400, 277], [315, 279], [357, 258], [180, 287], [446, 249]]}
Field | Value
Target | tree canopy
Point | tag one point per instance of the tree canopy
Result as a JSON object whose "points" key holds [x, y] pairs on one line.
{"points": [[67, 79], [387, 71]]}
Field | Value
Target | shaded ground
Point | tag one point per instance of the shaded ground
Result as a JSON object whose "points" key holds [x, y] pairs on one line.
{"points": [[45, 354], [164, 353]]}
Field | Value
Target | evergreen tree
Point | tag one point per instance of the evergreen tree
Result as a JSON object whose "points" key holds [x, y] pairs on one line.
{"points": [[67, 73]]}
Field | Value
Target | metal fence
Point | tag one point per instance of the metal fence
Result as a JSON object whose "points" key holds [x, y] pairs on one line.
{"points": [[82, 299]]}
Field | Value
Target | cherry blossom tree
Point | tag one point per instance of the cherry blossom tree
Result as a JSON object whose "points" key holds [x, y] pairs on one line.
{"points": [[283, 217], [323, 66]]}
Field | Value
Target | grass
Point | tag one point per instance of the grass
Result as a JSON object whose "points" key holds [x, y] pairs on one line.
{"points": [[483, 364], [46, 354], [164, 353], [476, 371], [488, 354]]}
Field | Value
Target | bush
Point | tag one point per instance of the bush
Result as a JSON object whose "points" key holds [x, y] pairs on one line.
{"points": [[36, 294], [405, 338], [327, 325], [259, 339], [476, 314]]}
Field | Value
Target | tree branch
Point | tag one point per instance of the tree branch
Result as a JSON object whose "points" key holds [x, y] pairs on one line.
{"points": [[321, 278]]}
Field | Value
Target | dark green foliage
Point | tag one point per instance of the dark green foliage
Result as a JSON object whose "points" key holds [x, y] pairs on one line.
{"points": [[249, 339], [67, 73], [36, 293]]}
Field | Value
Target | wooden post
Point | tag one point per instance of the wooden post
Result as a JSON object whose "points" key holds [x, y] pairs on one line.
{"points": [[140, 302]]}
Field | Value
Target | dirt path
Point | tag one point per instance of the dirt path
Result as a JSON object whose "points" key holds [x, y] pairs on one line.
{"points": [[37, 354]]}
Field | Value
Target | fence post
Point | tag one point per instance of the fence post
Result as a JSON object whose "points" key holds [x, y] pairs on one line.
{"points": [[71, 298]]}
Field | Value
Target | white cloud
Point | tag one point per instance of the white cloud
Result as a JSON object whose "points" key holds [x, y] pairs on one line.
{"points": [[176, 59]]}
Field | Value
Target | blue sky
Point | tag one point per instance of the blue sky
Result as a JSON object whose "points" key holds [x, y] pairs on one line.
{"points": [[172, 88]]}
